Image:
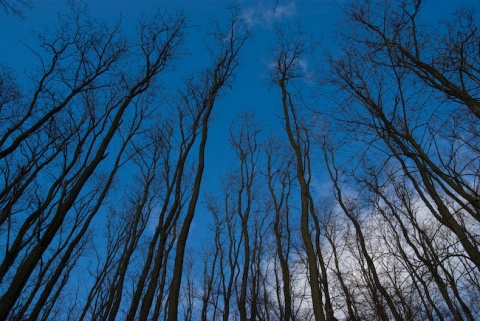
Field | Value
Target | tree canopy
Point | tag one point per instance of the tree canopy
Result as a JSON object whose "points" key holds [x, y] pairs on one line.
{"points": [[359, 200]]}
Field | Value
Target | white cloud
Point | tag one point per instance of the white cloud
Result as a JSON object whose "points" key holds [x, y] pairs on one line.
{"points": [[265, 13]]}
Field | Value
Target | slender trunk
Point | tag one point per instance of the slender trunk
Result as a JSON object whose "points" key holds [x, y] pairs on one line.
{"points": [[305, 198]]}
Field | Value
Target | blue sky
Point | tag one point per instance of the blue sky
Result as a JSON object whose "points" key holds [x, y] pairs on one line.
{"points": [[251, 89]]}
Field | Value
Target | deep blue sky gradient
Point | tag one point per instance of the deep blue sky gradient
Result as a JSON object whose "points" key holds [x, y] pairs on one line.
{"points": [[251, 90]]}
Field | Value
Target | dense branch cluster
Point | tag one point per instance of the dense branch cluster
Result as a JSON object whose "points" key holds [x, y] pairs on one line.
{"points": [[364, 208]]}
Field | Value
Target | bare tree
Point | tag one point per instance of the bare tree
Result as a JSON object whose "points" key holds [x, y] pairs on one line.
{"points": [[15, 7], [244, 136], [288, 56], [87, 140], [211, 278], [228, 241], [280, 179], [58, 136], [202, 95], [398, 122], [406, 103]]}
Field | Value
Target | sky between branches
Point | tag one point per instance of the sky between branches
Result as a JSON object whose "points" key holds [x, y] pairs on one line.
{"points": [[251, 90]]}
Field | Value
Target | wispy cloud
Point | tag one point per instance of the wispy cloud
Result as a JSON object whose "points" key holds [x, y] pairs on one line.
{"points": [[265, 13]]}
